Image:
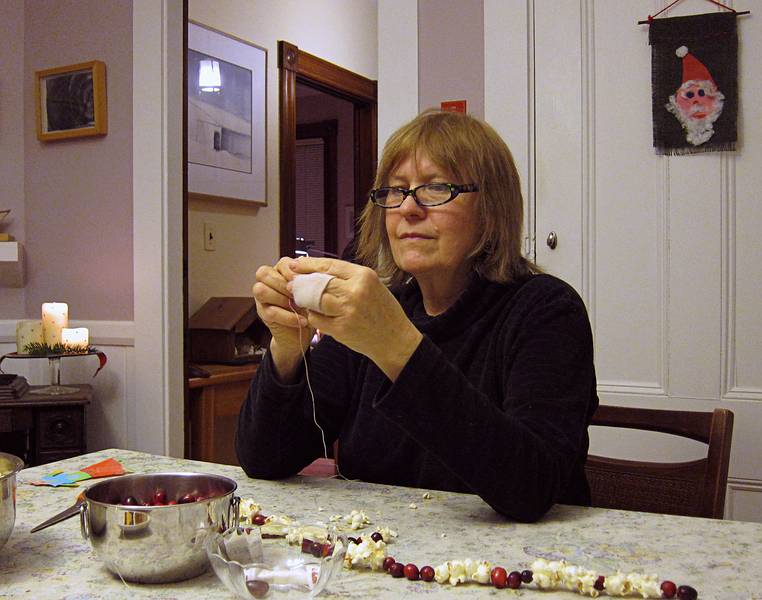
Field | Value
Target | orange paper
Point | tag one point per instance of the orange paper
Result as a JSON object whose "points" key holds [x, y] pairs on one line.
{"points": [[105, 468]]}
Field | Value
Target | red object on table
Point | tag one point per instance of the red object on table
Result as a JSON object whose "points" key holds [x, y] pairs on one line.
{"points": [[105, 468]]}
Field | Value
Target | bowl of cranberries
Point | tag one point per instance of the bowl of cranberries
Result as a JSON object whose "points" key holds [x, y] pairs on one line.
{"points": [[152, 528], [253, 566]]}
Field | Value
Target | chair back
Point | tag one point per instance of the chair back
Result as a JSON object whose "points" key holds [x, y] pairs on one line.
{"points": [[693, 488]]}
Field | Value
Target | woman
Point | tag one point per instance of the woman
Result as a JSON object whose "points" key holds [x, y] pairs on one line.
{"points": [[449, 362]]}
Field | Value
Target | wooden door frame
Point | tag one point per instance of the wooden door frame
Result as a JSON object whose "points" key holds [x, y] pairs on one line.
{"points": [[327, 131], [296, 65]]}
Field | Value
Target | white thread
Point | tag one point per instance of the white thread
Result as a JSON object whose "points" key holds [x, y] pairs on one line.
{"points": [[312, 396], [307, 289]]}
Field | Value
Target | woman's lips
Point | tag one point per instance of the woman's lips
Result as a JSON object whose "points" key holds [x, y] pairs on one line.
{"points": [[414, 236]]}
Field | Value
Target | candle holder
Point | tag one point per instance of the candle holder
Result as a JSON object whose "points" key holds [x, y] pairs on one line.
{"points": [[55, 388], [54, 364]]}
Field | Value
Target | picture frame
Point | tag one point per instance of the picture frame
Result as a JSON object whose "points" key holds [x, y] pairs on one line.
{"points": [[71, 101], [227, 117]]}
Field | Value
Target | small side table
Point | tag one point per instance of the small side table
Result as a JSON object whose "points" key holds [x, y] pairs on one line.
{"points": [[54, 426]]}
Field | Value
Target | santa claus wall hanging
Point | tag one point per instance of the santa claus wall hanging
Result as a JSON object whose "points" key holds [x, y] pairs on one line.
{"points": [[694, 78]]}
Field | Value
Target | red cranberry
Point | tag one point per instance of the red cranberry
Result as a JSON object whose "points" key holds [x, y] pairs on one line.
{"points": [[160, 497], [388, 562], [187, 499], [376, 536], [668, 589], [258, 519], [131, 501], [306, 545], [172, 502], [686, 592], [427, 573], [499, 577], [526, 576], [411, 572], [397, 570], [600, 583], [316, 549], [514, 580], [258, 589]]}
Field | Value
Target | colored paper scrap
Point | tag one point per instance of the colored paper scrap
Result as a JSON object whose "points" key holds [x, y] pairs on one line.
{"points": [[69, 479], [105, 468]]}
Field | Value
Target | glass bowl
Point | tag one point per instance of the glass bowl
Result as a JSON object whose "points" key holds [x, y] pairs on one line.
{"points": [[253, 567]]}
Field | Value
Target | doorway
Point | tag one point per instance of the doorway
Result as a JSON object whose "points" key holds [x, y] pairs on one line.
{"points": [[303, 74]]}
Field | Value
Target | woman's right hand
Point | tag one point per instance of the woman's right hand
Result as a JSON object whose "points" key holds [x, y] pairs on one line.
{"points": [[290, 333]]}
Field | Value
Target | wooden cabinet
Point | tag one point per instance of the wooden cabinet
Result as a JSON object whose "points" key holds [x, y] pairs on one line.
{"points": [[41, 428], [214, 404]]}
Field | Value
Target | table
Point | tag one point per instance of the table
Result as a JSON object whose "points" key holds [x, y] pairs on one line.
{"points": [[214, 404], [719, 558], [54, 426]]}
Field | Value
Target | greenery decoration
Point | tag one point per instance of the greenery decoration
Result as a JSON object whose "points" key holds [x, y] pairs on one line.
{"points": [[38, 349]]}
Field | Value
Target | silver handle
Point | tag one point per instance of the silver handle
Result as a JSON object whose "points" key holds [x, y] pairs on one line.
{"points": [[552, 240], [84, 521], [235, 505]]}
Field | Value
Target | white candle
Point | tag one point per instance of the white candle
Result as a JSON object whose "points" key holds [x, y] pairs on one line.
{"points": [[28, 332], [55, 316], [75, 338]]}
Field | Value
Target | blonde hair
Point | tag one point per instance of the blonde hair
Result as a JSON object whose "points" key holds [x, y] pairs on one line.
{"points": [[474, 153]]}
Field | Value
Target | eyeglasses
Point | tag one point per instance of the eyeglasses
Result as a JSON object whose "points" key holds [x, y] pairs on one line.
{"points": [[428, 194]]}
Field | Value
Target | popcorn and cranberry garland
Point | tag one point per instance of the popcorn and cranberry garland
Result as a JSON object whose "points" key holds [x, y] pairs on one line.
{"points": [[370, 553]]}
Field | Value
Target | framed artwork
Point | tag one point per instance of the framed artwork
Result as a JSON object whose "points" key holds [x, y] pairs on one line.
{"points": [[227, 144], [71, 101]]}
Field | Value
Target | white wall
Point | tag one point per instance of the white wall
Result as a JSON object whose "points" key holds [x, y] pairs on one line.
{"points": [[450, 53], [340, 31], [397, 66]]}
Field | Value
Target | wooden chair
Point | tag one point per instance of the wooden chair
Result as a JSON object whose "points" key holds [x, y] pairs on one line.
{"points": [[694, 488]]}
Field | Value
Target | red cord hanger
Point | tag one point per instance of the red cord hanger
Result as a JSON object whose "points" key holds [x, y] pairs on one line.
{"points": [[650, 18]]}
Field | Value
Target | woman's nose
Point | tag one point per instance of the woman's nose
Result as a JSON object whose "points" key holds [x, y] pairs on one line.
{"points": [[410, 207]]}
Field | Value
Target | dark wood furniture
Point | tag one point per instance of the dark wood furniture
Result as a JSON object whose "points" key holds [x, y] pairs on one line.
{"points": [[47, 428], [693, 488], [214, 404]]}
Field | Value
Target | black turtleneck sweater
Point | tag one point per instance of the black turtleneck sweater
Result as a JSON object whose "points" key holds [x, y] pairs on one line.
{"points": [[495, 401]]}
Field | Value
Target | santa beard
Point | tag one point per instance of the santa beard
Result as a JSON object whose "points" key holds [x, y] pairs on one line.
{"points": [[697, 131]]}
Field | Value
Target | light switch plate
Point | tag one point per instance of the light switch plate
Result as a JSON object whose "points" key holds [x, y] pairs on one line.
{"points": [[210, 237]]}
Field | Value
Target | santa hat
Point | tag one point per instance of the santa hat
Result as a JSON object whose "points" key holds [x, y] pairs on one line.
{"points": [[693, 68]]}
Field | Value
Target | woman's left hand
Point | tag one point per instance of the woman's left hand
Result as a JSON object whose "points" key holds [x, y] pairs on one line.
{"points": [[359, 311]]}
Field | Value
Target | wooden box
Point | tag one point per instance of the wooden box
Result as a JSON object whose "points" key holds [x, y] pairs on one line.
{"points": [[227, 330]]}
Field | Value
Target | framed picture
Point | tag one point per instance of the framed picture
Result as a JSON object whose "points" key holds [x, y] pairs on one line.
{"points": [[227, 144], [71, 101]]}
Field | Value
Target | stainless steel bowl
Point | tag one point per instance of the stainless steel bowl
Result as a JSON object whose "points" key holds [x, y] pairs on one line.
{"points": [[157, 544], [9, 466]]}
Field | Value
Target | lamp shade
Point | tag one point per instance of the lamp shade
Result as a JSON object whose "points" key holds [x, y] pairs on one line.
{"points": [[209, 78]]}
